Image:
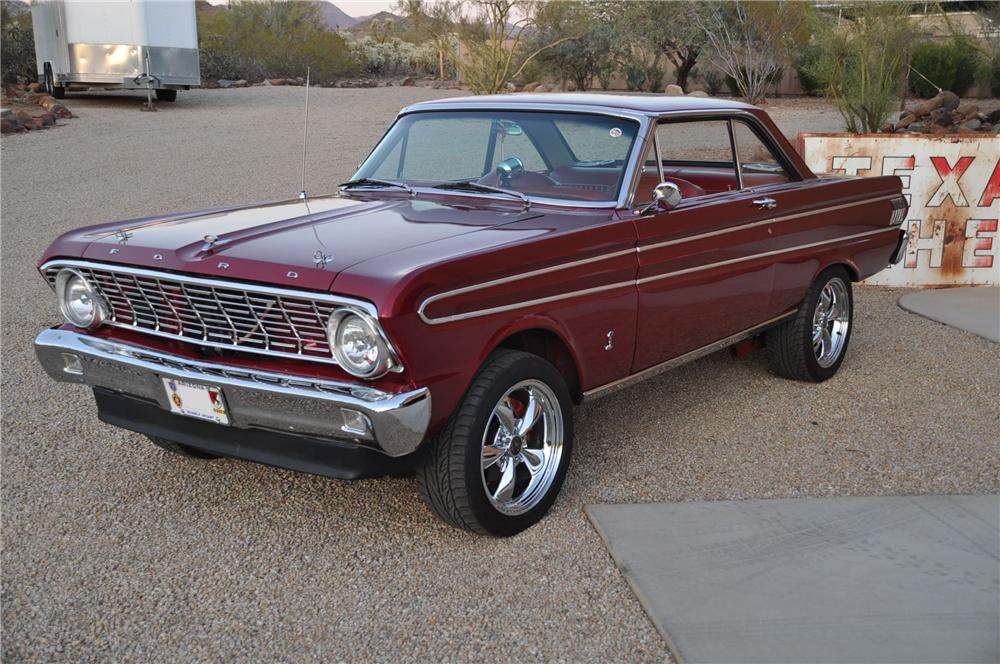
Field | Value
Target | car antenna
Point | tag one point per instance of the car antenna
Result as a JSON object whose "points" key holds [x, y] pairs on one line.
{"points": [[305, 138]]}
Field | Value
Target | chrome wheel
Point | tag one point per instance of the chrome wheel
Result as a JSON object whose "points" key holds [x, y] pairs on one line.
{"points": [[831, 321], [522, 447]]}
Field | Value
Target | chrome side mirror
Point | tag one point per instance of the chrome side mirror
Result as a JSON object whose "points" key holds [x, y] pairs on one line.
{"points": [[666, 196]]}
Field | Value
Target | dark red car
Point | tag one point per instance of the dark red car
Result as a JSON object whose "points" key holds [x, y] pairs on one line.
{"points": [[494, 261]]}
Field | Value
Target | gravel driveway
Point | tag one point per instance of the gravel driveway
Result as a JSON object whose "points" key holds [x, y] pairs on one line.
{"points": [[113, 549]]}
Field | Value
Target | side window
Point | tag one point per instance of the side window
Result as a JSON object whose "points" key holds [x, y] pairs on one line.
{"points": [[757, 162], [697, 156]]}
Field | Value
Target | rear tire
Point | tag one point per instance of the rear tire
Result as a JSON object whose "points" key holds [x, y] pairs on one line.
{"points": [[59, 92], [812, 345], [498, 464], [164, 94], [181, 449]]}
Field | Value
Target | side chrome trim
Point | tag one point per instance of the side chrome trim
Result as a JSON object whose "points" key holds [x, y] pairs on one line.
{"points": [[658, 369], [516, 277], [744, 259], [598, 289], [764, 222]]}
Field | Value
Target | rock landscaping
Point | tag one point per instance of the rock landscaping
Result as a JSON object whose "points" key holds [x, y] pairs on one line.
{"points": [[28, 108], [944, 114]]}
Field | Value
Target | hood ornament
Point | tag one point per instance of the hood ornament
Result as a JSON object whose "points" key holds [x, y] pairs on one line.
{"points": [[123, 235], [211, 241], [320, 259]]}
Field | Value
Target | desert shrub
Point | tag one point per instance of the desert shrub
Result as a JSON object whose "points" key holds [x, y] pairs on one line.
{"points": [[394, 57], [772, 79], [711, 78], [635, 76], [805, 65], [988, 75], [18, 46], [270, 39], [950, 65], [859, 62]]}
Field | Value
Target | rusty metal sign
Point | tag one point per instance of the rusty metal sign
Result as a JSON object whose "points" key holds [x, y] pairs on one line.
{"points": [[953, 186]]}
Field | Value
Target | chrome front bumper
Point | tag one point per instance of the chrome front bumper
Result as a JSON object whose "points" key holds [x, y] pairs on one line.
{"points": [[395, 423]]}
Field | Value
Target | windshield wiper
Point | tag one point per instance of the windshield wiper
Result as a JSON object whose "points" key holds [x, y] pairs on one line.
{"points": [[469, 185], [372, 182]]}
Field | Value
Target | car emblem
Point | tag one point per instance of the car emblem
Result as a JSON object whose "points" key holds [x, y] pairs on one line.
{"points": [[157, 257], [211, 241], [292, 275], [223, 265], [320, 259], [115, 250]]}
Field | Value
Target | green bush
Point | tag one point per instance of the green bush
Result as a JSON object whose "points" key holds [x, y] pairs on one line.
{"points": [[804, 66], [988, 74], [269, 39], [950, 65], [18, 46], [394, 57]]}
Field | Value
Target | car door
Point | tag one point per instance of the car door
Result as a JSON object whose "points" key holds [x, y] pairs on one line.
{"points": [[705, 269]]}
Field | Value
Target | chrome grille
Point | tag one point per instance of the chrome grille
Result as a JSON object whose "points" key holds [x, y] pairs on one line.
{"points": [[210, 312]]}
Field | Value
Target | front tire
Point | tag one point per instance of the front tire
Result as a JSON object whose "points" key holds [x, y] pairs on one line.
{"points": [[497, 466], [812, 345], [166, 94]]}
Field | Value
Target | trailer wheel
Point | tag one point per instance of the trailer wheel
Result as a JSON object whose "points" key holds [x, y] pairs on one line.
{"points": [[48, 80], [164, 94]]}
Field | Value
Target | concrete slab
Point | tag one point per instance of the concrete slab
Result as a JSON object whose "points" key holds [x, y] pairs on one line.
{"points": [[896, 579], [975, 310]]}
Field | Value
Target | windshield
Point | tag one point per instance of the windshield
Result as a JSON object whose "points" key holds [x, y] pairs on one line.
{"points": [[567, 156]]}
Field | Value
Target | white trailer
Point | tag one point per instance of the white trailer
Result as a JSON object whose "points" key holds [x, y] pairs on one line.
{"points": [[130, 44]]}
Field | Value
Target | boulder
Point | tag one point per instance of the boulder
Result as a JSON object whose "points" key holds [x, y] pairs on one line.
{"points": [[905, 120], [241, 83], [972, 124], [408, 82], [967, 110], [277, 81], [941, 117], [918, 127], [225, 83], [993, 117], [674, 90], [48, 119], [698, 93], [949, 100], [531, 87], [35, 87]]}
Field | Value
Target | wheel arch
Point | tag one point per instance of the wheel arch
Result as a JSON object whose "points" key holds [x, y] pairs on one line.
{"points": [[543, 338], [848, 266]]}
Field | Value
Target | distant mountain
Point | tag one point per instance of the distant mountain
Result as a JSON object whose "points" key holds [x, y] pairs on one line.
{"points": [[364, 23], [335, 17], [16, 7]]}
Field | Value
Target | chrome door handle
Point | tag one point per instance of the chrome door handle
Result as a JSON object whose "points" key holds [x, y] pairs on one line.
{"points": [[765, 203]]}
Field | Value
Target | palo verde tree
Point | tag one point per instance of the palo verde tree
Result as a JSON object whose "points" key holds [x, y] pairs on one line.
{"points": [[752, 41], [435, 22], [492, 34], [587, 54], [661, 30]]}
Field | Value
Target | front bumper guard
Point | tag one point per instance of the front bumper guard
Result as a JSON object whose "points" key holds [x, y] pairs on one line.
{"points": [[396, 423]]}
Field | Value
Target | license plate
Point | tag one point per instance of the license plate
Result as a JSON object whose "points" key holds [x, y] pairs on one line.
{"points": [[199, 401]]}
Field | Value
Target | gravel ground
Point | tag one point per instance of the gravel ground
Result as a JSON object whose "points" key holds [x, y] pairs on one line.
{"points": [[115, 550]]}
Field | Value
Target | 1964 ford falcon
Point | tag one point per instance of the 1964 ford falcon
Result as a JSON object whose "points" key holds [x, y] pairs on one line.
{"points": [[494, 261]]}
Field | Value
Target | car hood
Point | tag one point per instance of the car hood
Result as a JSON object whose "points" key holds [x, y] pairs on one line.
{"points": [[296, 243]]}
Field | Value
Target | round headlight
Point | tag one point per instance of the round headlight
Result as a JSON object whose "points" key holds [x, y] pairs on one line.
{"points": [[357, 345], [79, 302]]}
